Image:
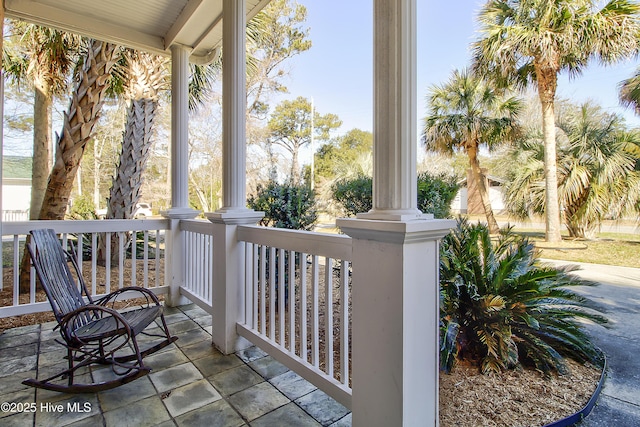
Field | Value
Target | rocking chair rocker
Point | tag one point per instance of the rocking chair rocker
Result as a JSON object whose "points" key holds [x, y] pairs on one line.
{"points": [[93, 332]]}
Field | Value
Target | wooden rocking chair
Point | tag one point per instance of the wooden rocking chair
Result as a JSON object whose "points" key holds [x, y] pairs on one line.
{"points": [[93, 332]]}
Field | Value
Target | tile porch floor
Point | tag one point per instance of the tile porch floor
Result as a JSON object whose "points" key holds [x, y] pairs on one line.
{"points": [[191, 384]]}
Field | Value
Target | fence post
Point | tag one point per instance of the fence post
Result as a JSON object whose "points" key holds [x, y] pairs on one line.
{"points": [[228, 278], [395, 321]]}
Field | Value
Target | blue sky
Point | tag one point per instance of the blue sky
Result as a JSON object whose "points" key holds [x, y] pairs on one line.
{"points": [[337, 71]]}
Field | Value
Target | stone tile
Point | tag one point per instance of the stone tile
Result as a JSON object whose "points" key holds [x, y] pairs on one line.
{"points": [[258, 400], [67, 411], [20, 396], [200, 349], [286, 416], [51, 345], [204, 321], [250, 354], [322, 407], [182, 326], [173, 317], [343, 422], [212, 365], [126, 394], [143, 413], [166, 359], [96, 420], [22, 330], [19, 352], [52, 358], [192, 337], [268, 367], [47, 334], [292, 385], [19, 420], [209, 330], [24, 364], [7, 341], [174, 377], [190, 397], [236, 379], [193, 311], [216, 414], [13, 383]]}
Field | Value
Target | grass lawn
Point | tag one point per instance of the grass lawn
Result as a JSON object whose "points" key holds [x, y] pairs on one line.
{"points": [[608, 248]]}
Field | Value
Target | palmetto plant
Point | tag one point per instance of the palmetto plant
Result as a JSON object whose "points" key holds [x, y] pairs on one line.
{"points": [[596, 171], [500, 308], [529, 42]]}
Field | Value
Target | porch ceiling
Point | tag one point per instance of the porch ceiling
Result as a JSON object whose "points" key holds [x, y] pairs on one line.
{"points": [[149, 25]]}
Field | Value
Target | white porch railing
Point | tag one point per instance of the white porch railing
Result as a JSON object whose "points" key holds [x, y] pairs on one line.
{"points": [[198, 261], [139, 264], [297, 303]]}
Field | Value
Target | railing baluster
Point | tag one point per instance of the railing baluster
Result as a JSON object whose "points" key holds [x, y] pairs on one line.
{"points": [[263, 289], [121, 256], [94, 263], [344, 322], [292, 301], [328, 314], [303, 306], [16, 270], [254, 292], [108, 262], [315, 324], [272, 293], [281, 294], [146, 259], [134, 256]]}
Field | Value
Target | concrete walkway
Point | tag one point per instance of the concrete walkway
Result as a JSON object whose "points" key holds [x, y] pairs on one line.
{"points": [[618, 296]]}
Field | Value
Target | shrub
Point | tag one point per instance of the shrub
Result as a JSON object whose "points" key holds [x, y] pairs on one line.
{"points": [[499, 308], [354, 195], [285, 205], [435, 194], [83, 208]]}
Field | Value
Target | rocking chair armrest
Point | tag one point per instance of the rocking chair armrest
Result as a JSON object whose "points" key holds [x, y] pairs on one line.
{"points": [[146, 293]]}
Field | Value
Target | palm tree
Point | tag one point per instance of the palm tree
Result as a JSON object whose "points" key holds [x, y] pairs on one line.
{"points": [[465, 113], [46, 57], [596, 176], [629, 92], [144, 77], [532, 41]]}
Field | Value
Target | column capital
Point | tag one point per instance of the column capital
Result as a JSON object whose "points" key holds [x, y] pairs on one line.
{"points": [[398, 232]]}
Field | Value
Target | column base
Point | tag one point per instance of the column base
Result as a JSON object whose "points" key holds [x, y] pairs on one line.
{"points": [[234, 216], [180, 213]]}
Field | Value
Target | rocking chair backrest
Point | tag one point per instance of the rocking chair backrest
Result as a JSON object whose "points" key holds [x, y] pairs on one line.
{"points": [[51, 263]]}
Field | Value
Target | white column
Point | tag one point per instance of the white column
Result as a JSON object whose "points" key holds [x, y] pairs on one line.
{"points": [[180, 209], [394, 122], [395, 291], [228, 253]]}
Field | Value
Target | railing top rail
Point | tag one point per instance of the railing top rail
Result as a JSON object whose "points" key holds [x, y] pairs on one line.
{"points": [[86, 226], [330, 245], [197, 226]]}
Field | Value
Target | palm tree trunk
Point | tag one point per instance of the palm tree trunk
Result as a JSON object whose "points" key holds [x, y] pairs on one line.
{"points": [[478, 176], [41, 142], [79, 121], [547, 83]]}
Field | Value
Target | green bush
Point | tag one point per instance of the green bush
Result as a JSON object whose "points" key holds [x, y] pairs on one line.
{"points": [[83, 208], [285, 205], [435, 194], [353, 195], [500, 308]]}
